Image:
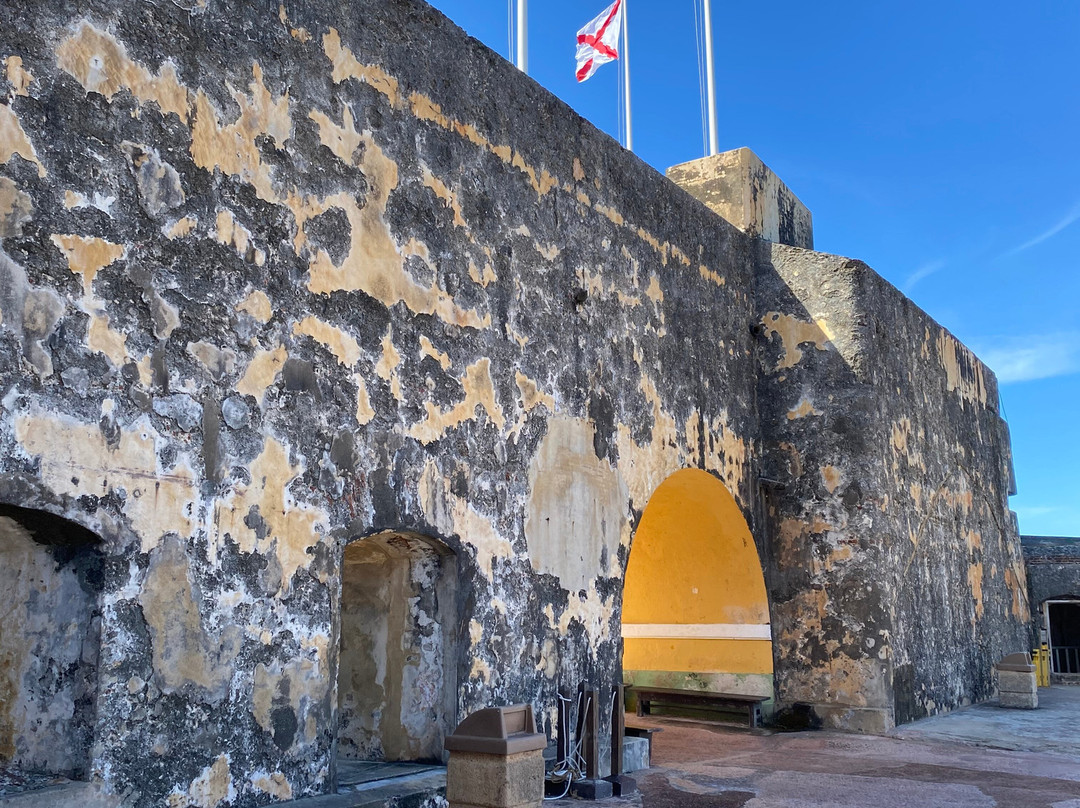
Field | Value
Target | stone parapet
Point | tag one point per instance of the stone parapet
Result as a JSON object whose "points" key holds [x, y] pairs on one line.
{"points": [[743, 190]]}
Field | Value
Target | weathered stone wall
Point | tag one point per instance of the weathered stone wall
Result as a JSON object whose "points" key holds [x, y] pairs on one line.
{"points": [[1053, 568], [272, 281], [895, 570]]}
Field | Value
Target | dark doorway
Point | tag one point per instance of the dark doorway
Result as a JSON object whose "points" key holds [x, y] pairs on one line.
{"points": [[50, 627], [1064, 619]]}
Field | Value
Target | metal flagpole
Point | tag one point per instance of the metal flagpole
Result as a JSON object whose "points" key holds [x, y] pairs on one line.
{"points": [[626, 76], [522, 36], [710, 88]]}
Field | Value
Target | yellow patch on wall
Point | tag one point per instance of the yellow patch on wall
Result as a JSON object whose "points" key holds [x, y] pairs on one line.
{"points": [[454, 515], [300, 34], [709, 275], [963, 371], [342, 141], [342, 345], [231, 147], [210, 789], [364, 410], [257, 304], [1016, 582], [830, 476], [427, 348], [375, 264], [101, 65], [185, 652], [653, 292], [975, 581], [346, 66], [794, 333], [76, 460], [445, 194], [273, 784], [804, 408], [86, 256], [577, 512], [19, 77], [479, 392], [288, 529], [387, 366], [230, 232], [262, 371], [181, 227], [13, 140], [531, 398]]}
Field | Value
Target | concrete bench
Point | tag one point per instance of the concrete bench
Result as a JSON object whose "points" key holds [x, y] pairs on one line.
{"points": [[700, 700]]}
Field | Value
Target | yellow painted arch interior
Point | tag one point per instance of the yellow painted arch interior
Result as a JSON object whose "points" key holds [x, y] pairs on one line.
{"points": [[693, 561]]}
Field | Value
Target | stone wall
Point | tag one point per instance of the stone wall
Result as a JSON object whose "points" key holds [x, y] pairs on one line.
{"points": [[1053, 567], [1053, 573], [274, 281], [896, 576]]}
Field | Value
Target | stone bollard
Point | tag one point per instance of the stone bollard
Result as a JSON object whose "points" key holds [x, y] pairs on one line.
{"points": [[496, 760], [1017, 685]]}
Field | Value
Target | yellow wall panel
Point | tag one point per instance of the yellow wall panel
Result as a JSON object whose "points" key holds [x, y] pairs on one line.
{"points": [[701, 656], [693, 562]]}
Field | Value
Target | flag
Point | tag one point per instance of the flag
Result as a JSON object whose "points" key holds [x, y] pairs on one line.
{"points": [[598, 41]]}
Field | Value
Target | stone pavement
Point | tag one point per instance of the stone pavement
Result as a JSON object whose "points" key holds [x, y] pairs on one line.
{"points": [[978, 757], [1053, 727]]}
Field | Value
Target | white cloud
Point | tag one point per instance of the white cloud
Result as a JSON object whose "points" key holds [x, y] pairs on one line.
{"points": [[923, 272], [1032, 511], [1070, 217], [1024, 359]]}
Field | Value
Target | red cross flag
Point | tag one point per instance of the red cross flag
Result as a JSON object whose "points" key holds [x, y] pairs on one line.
{"points": [[598, 41]]}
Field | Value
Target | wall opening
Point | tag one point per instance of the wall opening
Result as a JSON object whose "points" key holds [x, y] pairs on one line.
{"points": [[397, 684], [50, 633], [695, 610], [1063, 632]]}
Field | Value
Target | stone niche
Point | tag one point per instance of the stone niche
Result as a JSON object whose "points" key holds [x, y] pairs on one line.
{"points": [[50, 627], [396, 681]]}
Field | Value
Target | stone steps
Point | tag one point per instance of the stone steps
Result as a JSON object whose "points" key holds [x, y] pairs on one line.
{"points": [[411, 791]]}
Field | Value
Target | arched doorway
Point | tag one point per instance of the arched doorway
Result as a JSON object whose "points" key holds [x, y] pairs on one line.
{"points": [[397, 684], [50, 633], [695, 609]]}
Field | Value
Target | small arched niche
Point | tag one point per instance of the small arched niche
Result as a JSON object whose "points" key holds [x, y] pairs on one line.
{"points": [[397, 688], [50, 633], [695, 610]]}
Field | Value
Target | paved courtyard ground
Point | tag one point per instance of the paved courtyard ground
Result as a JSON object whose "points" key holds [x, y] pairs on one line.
{"points": [[978, 757]]}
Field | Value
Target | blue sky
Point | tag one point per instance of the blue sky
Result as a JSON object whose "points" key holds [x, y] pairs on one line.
{"points": [[937, 141]]}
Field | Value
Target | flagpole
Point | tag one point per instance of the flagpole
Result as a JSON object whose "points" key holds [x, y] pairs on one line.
{"points": [[626, 76], [523, 36], [714, 146]]}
